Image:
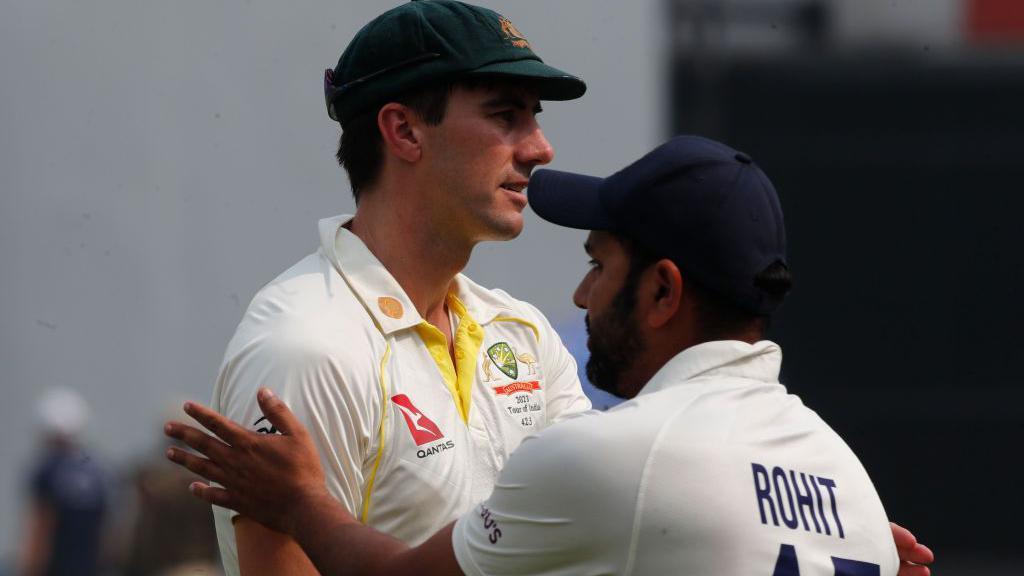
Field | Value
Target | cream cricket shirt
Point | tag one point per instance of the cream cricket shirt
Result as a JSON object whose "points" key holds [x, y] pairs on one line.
{"points": [[713, 469], [409, 440]]}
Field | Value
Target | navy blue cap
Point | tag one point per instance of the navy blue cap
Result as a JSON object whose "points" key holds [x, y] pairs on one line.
{"points": [[698, 202]]}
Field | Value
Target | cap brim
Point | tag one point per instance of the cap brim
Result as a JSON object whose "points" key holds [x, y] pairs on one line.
{"points": [[567, 199], [553, 83]]}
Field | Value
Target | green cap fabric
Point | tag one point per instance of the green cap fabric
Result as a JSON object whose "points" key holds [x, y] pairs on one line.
{"points": [[426, 40]]}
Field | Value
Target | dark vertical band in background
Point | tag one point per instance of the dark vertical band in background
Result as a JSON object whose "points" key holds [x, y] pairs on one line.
{"points": [[902, 181]]}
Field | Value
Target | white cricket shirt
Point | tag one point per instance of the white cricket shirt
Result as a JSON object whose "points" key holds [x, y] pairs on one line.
{"points": [[713, 469], [408, 439]]}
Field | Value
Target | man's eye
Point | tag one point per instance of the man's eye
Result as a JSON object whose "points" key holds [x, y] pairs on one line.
{"points": [[507, 116], [594, 264]]}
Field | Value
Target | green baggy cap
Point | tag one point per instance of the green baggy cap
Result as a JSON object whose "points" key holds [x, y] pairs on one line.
{"points": [[427, 40]]}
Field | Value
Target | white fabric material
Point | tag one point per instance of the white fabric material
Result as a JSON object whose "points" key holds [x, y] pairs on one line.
{"points": [[317, 336], [668, 483]]}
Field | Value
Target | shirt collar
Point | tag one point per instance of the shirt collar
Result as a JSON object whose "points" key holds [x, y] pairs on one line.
{"points": [[372, 284], [483, 305], [382, 295], [720, 359]]}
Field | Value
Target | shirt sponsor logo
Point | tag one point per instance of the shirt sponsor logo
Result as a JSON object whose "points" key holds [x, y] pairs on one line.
{"points": [[423, 429], [268, 428], [435, 449], [490, 525]]}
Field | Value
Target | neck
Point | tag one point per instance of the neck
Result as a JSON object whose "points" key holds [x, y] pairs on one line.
{"points": [[419, 253]]}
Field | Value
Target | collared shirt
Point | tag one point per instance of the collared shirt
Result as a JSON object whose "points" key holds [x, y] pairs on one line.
{"points": [[712, 469], [409, 439]]}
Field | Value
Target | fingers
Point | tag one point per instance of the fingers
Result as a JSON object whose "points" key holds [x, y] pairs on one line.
{"points": [[197, 439], [902, 536], [216, 496], [918, 554], [224, 428], [913, 570], [908, 547], [278, 413], [201, 466]]}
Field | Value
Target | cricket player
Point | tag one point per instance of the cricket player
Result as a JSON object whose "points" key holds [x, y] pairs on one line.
{"points": [[710, 468], [415, 382]]}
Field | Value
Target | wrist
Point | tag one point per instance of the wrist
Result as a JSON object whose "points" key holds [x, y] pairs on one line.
{"points": [[312, 510]]}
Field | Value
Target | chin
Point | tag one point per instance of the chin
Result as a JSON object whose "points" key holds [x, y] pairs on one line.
{"points": [[504, 228]]}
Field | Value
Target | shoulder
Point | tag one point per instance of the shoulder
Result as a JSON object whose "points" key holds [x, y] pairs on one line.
{"points": [[307, 312], [608, 448], [500, 305], [495, 298], [305, 330]]}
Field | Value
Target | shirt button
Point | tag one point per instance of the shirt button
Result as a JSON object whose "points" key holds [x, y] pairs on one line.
{"points": [[472, 327], [459, 354]]}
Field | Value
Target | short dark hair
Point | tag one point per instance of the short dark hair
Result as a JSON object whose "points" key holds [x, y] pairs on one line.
{"points": [[360, 150], [719, 317], [360, 147]]}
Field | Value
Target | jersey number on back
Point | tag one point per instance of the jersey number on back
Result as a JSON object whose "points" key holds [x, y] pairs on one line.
{"points": [[786, 565]]}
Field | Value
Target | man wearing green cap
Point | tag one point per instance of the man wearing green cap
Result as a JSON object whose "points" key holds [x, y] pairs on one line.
{"points": [[416, 382]]}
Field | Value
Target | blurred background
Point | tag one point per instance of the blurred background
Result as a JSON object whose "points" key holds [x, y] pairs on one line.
{"points": [[161, 161]]}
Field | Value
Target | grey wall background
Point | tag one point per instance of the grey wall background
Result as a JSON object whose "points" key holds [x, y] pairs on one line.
{"points": [[160, 161]]}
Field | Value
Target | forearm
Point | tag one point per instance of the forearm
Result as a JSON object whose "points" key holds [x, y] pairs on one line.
{"points": [[264, 551], [338, 544]]}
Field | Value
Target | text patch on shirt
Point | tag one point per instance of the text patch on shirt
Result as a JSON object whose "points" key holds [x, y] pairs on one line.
{"points": [[514, 379], [793, 497]]}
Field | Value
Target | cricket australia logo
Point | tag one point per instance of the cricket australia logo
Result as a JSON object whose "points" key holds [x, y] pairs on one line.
{"points": [[512, 34], [502, 355]]}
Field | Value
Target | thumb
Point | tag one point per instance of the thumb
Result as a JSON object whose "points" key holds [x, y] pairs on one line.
{"points": [[278, 414]]}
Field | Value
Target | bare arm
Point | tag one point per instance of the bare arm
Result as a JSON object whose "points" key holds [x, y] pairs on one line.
{"points": [[277, 480], [264, 551]]}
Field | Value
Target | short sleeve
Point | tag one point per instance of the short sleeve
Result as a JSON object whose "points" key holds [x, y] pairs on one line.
{"points": [[557, 508], [341, 413]]}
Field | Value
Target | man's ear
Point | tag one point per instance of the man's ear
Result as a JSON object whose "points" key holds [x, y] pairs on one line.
{"points": [[399, 129], [667, 288]]}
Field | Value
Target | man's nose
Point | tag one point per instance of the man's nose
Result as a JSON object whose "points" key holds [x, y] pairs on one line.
{"points": [[535, 150], [579, 297]]}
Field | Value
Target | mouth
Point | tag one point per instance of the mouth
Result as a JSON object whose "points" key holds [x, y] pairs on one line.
{"points": [[515, 187]]}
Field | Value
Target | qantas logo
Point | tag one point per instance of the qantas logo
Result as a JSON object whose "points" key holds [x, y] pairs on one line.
{"points": [[423, 429]]}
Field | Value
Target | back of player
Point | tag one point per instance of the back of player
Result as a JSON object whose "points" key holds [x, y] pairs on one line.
{"points": [[713, 469], [764, 485]]}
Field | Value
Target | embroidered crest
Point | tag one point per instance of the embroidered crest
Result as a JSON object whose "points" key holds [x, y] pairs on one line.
{"points": [[513, 34], [529, 360], [504, 358]]}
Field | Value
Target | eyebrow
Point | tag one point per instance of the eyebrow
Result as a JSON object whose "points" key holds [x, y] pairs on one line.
{"points": [[516, 102], [588, 247]]}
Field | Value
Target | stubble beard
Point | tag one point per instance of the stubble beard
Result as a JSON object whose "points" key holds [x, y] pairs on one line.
{"points": [[615, 343]]}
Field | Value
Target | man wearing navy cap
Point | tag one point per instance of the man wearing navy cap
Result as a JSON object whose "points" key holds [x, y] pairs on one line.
{"points": [[710, 468]]}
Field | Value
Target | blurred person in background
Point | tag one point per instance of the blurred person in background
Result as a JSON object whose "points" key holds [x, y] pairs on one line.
{"points": [[68, 494], [162, 508]]}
